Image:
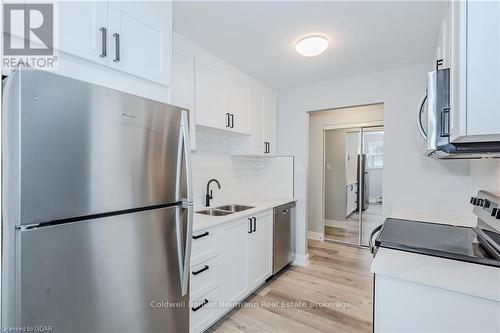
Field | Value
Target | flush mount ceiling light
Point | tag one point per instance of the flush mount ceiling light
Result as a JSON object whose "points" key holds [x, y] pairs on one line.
{"points": [[311, 46]]}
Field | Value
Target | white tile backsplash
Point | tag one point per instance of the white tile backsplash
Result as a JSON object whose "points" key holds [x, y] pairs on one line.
{"points": [[242, 179]]}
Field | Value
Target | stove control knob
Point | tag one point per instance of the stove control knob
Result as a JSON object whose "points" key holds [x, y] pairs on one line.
{"points": [[472, 199], [487, 203], [494, 212]]}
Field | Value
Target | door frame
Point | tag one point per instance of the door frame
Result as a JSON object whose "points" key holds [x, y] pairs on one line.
{"points": [[361, 125]]}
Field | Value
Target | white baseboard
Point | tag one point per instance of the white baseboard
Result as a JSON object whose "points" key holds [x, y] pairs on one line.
{"points": [[315, 235], [301, 260]]}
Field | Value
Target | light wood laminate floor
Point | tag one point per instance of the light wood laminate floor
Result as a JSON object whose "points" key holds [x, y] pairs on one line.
{"points": [[348, 231], [332, 294]]}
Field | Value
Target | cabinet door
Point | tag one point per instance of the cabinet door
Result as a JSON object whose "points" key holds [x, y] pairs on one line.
{"points": [[233, 253], [260, 251], [210, 96], [442, 53], [83, 29], [258, 106], [483, 70], [140, 38], [269, 121], [238, 104]]}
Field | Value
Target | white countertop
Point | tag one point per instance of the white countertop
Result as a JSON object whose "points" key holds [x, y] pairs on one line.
{"points": [[201, 221]]}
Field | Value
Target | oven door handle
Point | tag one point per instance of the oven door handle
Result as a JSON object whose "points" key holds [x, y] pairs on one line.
{"points": [[370, 241]]}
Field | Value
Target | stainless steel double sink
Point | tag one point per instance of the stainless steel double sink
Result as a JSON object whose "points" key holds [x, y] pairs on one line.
{"points": [[224, 210]]}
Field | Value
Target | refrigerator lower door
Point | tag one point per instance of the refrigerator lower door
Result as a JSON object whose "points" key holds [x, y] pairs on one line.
{"points": [[113, 274]]}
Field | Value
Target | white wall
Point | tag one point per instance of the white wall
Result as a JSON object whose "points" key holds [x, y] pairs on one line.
{"points": [[411, 181], [485, 175]]}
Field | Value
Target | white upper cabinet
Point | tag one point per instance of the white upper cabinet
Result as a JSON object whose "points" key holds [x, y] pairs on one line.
{"points": [[238, 105], [141, 38], [483, 69], [475, 71], [224, 98], [443, 49], [134, 37], [269, 121], [210, 96], [83, 29], [263, 139]]}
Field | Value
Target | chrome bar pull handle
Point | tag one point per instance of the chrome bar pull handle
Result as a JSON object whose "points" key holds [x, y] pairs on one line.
{"points": [[104, 42], [117, 47]]}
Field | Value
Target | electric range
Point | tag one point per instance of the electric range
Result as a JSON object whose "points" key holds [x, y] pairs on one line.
{"points": [[480, 245]]}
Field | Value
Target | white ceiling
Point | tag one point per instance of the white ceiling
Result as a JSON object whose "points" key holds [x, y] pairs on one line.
{"points": [[259, 37]]}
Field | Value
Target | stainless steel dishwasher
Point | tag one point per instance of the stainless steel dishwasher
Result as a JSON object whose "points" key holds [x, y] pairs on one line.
{"points": [[283, 244]]}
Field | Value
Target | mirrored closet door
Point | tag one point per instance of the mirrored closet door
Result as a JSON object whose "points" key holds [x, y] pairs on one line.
{"points": [[352, 183]]}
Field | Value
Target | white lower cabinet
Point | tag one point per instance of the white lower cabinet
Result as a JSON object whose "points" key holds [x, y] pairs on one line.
{"points": [[204, 310], [233, 252], [204, 277], [404, 306], [259, 244], [228, 262]]}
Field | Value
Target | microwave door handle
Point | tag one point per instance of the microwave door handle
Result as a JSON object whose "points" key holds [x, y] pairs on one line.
{"points": [[419, 117]]}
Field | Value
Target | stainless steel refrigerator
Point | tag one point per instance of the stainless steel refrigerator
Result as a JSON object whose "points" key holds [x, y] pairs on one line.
{"points": [[363, 181], [97, 208]]}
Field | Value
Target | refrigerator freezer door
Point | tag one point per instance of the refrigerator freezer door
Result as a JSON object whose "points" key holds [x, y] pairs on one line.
{"points": [[114, 274], [85, 149]]}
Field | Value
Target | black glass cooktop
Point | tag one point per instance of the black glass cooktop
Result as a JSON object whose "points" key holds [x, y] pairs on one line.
{"points": [[440, 240]]}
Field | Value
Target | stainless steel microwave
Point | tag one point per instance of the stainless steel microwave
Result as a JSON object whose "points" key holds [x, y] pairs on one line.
{"points": [[433, 123]]}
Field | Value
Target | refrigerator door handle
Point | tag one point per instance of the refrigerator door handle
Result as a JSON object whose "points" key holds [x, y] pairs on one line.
{"points": [[187, 155], [187, 203], [187, 251]]}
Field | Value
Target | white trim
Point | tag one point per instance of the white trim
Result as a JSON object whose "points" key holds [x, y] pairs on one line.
{"points": [[301, 260], [353, 125], [316, 235]]}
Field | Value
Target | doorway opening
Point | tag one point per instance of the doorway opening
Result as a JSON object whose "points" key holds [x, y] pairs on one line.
{"points": [[342, 143]]}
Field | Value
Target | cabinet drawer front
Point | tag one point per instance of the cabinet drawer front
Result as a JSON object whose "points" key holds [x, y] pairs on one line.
{"points": [[203, 246], [204, 311], [204, 277]]}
